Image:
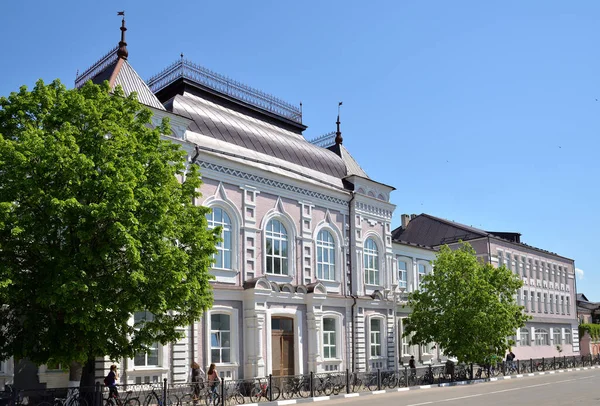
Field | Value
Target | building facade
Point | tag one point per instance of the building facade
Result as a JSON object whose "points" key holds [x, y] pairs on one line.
{"points": [[548, 292]]}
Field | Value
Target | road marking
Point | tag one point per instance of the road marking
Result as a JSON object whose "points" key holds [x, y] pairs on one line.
{"points": [[378, 392], [502, 391], [320, 398], [351, 395], [287, 402]]}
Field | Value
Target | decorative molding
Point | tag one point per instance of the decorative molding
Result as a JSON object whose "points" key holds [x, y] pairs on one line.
{"points": [[273, 183]]}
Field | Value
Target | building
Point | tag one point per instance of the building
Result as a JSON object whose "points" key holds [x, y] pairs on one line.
{"points": [[305, 275], [548, 292], [587, 312]]}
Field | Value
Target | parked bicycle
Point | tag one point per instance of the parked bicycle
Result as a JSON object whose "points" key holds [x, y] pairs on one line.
{"points": [[117, 401], [296, 387], [263, 390]]}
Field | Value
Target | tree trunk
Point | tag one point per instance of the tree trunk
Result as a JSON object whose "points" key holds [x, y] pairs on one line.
{"points": [[88, 374], [74, 374]]}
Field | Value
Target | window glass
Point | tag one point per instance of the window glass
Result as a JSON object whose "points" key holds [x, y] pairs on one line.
{"points": [[276, 248], [150, 357], [219, 218], [525, 340], [325, 256], [371, 258], [541, 337], [375, 337], [220, 338], [556, 336], [402, 273], [568, 337], [422, 272], [329, 339]]}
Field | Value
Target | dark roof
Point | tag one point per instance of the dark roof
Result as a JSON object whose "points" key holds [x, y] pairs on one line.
{"points": [[434, 231], [119, 72], [226, 123]]}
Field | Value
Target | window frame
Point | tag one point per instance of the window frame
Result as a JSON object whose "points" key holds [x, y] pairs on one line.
{"points": [[380, 344], [233, 314], [403, 283], [332, 248], [569, 334], [337, 320], [225, 228], [371, 253], [524, 332], [220, 347], [288, 240], [156, 346], [542, 337], [420, 275]]}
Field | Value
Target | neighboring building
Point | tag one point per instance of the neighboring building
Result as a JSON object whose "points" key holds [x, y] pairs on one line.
{"points": [[587, 312], [6, 372], [548, 292], [412, 262]]}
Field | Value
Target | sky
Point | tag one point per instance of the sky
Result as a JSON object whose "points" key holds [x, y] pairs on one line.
{"points": [[485, 113]]}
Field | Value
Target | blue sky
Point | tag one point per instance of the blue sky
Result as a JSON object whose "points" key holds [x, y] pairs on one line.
{"points": [[479, 112]]}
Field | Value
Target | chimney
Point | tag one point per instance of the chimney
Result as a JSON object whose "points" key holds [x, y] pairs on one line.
{"points": [[412, 216], [405, 219]]}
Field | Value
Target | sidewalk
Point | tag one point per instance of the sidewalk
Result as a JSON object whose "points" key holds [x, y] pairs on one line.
{"points": [[404, 389]]}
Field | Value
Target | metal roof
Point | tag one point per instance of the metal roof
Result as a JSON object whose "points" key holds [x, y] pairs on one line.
{"points": [[131, 82], [235, 127]]}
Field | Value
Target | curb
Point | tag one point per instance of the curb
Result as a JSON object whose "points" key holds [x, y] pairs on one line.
{"points": [[404, 389]]}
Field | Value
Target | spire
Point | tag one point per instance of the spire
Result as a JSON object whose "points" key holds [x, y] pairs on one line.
{"points": [[122, 52], [338, 133]]}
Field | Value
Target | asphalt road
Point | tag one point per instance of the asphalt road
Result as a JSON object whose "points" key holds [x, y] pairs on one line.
{"points": [[568, 388]]}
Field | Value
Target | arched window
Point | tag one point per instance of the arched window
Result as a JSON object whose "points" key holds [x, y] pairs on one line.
{"points": [[325, 256], [277, 248], [525, 337], [541, 337], [371, 256], [219, 218]]}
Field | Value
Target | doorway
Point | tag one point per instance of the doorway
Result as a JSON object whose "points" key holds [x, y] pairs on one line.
{"points": [[282, 341]]}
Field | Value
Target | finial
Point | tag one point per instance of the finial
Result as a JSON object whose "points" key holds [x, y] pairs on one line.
{"points": [[181, 55], [300, 112], [122, 52], [338, 133]]}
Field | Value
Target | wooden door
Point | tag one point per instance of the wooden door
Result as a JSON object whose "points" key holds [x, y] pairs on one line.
{"points": [[282, 346]]}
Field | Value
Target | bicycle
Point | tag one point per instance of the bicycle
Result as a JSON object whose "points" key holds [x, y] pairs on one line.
{"points": [[158, 399], [117, 401], [296, 386], [263, 390], [233, 394]]}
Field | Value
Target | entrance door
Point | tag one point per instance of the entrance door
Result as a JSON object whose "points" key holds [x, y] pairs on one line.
{"points": [[282, 342]]}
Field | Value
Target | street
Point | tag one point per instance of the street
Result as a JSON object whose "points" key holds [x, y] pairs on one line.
{"points": [[569, 388]]}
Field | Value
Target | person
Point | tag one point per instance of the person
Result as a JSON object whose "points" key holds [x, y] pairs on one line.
{"points": [[412, 365], [213, 378], [196, 380], [111, 382], [510, 357]]}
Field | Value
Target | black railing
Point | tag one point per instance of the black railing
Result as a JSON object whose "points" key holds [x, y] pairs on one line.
{"points": [[272, 388]]}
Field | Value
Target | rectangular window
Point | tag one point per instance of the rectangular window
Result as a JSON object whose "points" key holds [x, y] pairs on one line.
{"points": [[530, 268], [532, 302], [405, 346], [568, 304], [539, 269], [568, 336], [539, 302], [562, 305], [526, 300], [551, 299], [149, 358], [375, 337], [556, 336], [220, 338], [545, 303], [329, 340], [508, 262], [402, 273], [557, 303], [541, 337], [525, 337], [523, 267], [422, 272], [500, 259]]}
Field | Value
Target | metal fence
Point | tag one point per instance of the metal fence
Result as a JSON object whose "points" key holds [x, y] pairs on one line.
{"points": [[271, 388]]}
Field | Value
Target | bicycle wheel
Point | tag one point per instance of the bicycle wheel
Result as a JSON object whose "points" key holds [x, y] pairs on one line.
{"points": [[289, 390], [276, 392], [236, 399], [186, 400], [256, 394], [372, 384], [132, 402], [304, 388], [212, 399]]}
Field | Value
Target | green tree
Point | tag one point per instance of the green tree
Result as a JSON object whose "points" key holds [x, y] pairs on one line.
{"points": [[97, 221], [466, 306]]}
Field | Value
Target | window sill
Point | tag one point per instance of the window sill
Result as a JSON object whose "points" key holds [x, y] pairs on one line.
{"points": [[148, 369], [279, 278]]}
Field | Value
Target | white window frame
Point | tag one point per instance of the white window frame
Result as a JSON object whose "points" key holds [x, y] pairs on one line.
{"points": [[532, 301], [234, 335], [539, 302], [227, 228], [556, 332], [568, 304], [382, 335], [280, 237], [525, 337], [568, 336], [220, 333], [337, 319], [426, 267], [526, 300], [372, 253], [331, 248], [155, 346], [403, 283], [542, 338]]}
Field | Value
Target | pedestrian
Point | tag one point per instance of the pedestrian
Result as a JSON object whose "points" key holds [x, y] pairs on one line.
{"points": [[196, 379], [213, 378], [510, 358], [111, 382], [412, 365]]}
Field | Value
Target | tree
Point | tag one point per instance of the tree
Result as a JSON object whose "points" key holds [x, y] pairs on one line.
{"points": [[97, 221], [465, 306]]}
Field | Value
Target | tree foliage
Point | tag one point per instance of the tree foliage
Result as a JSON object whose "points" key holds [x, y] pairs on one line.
{"points": [[97, 221], [465, 306]]}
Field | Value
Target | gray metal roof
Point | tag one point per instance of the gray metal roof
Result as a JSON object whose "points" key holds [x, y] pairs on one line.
{"points": [[232, 126], [131, 82]]}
